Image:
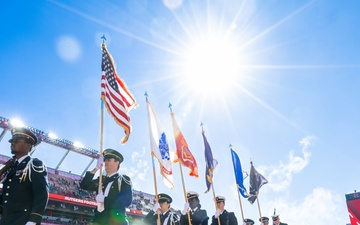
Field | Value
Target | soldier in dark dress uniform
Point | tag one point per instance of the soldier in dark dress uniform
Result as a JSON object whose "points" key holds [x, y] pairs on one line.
{"points": [[116, 190], [264, 220], [276, 220], [226, 218], [198, 216], [249, 221], [25, 190], [167, 217]]}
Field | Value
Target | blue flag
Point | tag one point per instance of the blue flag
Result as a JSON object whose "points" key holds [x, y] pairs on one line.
{"points": [[210, 164], [239, 174]]}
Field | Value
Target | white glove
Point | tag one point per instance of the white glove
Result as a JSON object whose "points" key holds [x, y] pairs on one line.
{"points": [[186, 207], [30, 223], [261, 223], [100, 198], [156, 207], [217, 213], [100, 161], [244, 223]]}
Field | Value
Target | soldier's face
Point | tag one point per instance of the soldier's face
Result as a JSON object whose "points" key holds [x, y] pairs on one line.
{"points": [[193, 203], [164, 206], [19, 146], [111, 166], [220, 205]]}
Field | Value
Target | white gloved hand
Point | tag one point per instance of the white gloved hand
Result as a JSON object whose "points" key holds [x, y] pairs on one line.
{"points": [[156, 207], [261, 223], [244, 223], [30, 223], [217, 213], [100, 161], [186, 207], [100, 197]]}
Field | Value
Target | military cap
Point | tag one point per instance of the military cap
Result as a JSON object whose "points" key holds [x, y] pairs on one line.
{"points": [[111, 153], [249, 221], [164, 198], [264, 219], [275, 217], [192, 194], [220, 198], [22, 132]]}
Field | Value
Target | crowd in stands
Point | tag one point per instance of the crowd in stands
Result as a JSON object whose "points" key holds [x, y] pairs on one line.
{"points": [[68, 187]]}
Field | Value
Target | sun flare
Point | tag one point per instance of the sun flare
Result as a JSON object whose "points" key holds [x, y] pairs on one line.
{"points": [[211, 65]]}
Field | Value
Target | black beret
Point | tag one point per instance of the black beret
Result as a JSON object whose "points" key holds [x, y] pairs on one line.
{"points": [[22, 132], [164, 198], [249, 221], [264, 219], [111, 153]]}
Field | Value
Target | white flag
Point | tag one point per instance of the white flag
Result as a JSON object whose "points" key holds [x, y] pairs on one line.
{"points": [[159, 146]]}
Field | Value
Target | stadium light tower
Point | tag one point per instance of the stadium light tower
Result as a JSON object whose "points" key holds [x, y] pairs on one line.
{"points": [[52, 139]]}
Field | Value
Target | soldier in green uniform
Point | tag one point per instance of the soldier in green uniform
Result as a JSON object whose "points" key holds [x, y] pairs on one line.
{"points": [[25, 192], [116, 192]]}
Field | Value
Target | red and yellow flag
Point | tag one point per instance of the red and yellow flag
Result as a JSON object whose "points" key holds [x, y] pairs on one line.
{"points": [[183, 153]]}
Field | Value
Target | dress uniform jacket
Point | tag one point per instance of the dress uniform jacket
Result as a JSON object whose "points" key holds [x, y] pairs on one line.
{"points": [[198, 217], [168, 218], [118, 198], [25, 193], [226, 218]]}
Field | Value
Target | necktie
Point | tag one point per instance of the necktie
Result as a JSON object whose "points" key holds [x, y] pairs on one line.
{"points": [[16, 163]]}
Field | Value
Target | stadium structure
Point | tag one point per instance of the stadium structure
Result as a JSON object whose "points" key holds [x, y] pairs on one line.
{"points": [[353, 206], [68, 203]]}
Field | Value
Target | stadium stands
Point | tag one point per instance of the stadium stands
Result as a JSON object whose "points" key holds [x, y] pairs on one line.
{"points": [[69, 204]]}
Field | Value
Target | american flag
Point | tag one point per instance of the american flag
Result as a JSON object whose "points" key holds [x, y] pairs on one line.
{"points": [[118, 99]]}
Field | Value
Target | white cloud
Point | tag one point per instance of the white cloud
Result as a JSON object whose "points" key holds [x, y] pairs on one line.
{"points": [[68, 48], [138, 169], [280, 176], [321, 207]]}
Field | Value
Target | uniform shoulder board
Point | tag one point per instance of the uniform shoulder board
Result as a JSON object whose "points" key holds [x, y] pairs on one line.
{"points": [[37, 165], [126, 179], [37, 162]]}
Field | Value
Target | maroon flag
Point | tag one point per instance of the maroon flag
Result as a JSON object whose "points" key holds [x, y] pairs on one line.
{"points": [[116, 96]]}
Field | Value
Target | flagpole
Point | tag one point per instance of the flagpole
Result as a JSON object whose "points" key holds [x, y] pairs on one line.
{"points": [[183, 184], [155, 186], [212, 185], [101, 143], [241, 208], [257, 199]]}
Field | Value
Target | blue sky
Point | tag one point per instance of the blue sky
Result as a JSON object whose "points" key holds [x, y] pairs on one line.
{"points": [[276, 79]]}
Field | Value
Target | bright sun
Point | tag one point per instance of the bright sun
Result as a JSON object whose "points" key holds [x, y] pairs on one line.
{"points": [[211, 65]]}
